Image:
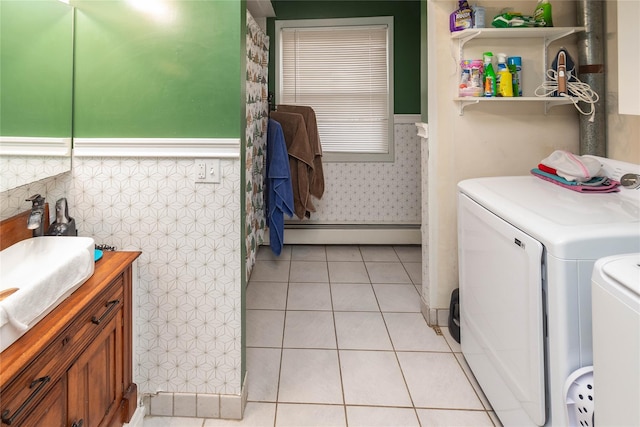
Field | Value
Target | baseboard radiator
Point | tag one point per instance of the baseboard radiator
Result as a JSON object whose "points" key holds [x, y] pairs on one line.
{"points": [[316, 233]]}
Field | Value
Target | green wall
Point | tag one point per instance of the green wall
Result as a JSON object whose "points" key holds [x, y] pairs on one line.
{"points": [[424, 52], [36, 62], [406, 47], [174, 73]]}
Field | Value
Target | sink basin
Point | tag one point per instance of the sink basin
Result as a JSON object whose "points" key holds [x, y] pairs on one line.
{"points": [[36, 275]]}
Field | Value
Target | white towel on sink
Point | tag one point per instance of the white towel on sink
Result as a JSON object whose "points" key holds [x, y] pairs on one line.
{"points": [[29, 302]]}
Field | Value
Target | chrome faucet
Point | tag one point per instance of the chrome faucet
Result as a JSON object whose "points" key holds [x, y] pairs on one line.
{"points": [[36, 221]]}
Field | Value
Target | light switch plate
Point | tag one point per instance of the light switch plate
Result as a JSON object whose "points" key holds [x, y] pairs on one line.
{"points": [[207, 171]]}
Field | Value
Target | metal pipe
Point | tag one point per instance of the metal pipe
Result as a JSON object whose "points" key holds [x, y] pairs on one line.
{"points": [[591, 70]]}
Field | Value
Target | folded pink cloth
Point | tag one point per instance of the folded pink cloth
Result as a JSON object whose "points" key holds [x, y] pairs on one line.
{"points": [[610, 187]]}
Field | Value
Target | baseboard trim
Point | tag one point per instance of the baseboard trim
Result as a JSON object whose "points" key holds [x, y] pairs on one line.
{"points": [[434, 316], [197, 405], [341, 235]]}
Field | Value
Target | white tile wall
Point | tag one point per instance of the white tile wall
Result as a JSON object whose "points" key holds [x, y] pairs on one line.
{"points": [[188, 329], [375, 192], [18, 170], [13, 202]]}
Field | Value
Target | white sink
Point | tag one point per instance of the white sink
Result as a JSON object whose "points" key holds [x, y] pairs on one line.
{"points": [[45, 270]]}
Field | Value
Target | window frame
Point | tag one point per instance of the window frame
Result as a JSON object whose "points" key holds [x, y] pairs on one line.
{"points": [[389, 156]]}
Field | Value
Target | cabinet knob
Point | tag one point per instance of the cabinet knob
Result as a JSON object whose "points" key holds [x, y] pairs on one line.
{"points": [[78, 423]]}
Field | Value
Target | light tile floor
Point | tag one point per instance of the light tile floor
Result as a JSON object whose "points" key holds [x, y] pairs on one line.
{"points": [[335, 337]]}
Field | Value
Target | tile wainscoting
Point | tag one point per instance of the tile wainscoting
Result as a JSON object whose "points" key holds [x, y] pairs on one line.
{"points": [[188, 297], [376, 192]]}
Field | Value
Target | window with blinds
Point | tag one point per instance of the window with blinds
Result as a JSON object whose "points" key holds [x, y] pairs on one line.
{"points": [[341, 68]]}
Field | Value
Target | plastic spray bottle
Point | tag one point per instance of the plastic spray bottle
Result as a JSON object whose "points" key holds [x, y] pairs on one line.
{"points": [[490, 87], [505, 81], [514, 63]]}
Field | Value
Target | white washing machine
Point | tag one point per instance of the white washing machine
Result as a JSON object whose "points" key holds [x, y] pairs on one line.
{"points": [[616, 340], [526, 253]]}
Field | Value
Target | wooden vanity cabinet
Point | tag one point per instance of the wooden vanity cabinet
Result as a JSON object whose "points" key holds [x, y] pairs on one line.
{"points": [[74, 367]]}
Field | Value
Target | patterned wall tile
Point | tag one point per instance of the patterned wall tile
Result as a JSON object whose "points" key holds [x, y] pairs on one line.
{"points": [[188, 309], [375, 192], [188, 299], [13, 201], [18, 170]]}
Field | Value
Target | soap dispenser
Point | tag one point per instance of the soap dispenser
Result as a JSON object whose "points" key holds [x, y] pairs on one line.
{"points": [[63, 225]]}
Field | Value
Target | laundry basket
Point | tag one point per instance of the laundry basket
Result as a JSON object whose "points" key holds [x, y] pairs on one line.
{"points": [[578, 397]]}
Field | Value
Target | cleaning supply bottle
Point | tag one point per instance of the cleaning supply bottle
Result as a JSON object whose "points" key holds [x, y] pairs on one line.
{"points": [[542, 14], [504, 79], [461, 18], [478, 16], [515, 85], [490, 88], [514, 63], [501, 66]]}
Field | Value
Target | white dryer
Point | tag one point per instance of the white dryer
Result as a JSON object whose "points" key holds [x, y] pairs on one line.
{"points": [[616, 340], [526, 253]]}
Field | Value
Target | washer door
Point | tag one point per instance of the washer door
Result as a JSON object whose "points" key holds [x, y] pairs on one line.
{"points": [[501, 309]]}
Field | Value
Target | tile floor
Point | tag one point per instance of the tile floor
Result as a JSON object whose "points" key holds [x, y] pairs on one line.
{"points": [[335, 337]]}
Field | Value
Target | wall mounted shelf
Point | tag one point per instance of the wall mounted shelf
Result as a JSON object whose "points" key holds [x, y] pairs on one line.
{"points": [[548, 34], [549, 102], [545, 34]]}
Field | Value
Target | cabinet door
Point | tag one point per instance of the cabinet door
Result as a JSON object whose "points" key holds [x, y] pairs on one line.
{"points": [[51, 411], [95, 379]]}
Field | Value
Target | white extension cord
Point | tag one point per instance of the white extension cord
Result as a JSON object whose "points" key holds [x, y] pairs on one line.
{"points": [[582, 92]]}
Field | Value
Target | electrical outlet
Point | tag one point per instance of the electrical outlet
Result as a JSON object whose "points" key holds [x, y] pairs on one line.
{"points": [[201, 170], [207, 171]]}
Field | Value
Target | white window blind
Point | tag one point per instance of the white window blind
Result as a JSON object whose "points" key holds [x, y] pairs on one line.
{"points": [[343, 73]]}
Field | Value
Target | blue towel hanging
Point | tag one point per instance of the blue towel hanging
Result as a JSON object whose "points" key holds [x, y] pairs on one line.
{"points": [[279, 190]]}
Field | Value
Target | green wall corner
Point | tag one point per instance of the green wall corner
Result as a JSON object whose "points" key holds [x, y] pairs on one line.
{"points": [[407, 38], [172, 73]]}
